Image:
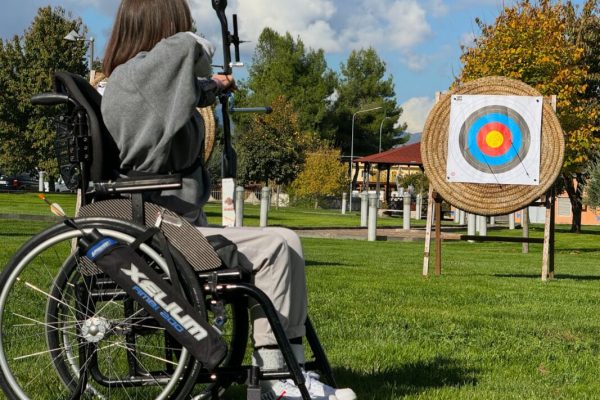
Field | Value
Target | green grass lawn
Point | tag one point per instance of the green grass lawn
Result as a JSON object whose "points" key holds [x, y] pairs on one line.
{"points": [[488, 328], [30, 204]]}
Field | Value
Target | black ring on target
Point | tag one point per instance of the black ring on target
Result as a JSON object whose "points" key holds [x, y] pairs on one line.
{"points": [[494, 139]]}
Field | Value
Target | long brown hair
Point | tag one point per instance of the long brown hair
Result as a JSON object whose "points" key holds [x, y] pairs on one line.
{"points": [[140, 24]]}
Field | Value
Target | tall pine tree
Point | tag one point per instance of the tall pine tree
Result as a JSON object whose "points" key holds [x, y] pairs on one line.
{"points": [[364, 85], [282, 66]]}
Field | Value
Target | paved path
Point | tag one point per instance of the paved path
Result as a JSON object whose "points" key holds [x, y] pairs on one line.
{"points": [[382, 234]]}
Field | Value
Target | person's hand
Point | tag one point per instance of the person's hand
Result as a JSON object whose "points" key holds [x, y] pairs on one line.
{"points": [[224, 82]]}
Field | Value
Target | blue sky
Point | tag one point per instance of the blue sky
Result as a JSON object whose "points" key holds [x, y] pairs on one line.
{"points": [[419, 40]]}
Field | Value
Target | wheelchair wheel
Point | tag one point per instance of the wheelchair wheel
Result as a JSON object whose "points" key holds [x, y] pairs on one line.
{"points": [[66, 335]]}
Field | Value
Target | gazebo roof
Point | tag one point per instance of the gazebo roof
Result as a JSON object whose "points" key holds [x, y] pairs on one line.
{"points": [[404, 155]]}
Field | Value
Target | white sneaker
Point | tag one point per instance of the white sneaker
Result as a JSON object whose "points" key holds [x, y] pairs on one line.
{"points": [[287, 390]]}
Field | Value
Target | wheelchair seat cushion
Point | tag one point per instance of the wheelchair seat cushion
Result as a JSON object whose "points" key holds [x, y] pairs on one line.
{"points": [[182, 235]]}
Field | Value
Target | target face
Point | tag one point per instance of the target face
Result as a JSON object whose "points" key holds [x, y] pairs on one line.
{"points": [[494, 139]]}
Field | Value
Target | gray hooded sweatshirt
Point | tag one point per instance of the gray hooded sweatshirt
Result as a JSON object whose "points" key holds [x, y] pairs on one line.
{"points": [[149, 107]]}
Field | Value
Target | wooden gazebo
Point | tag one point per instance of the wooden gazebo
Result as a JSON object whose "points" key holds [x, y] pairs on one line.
{"points": [[407, 155]]}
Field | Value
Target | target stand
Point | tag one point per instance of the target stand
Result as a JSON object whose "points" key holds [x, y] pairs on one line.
{"points": [[491, 147]]}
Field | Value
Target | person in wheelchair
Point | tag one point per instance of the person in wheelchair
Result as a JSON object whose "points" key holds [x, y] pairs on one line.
{"points": [[158, 73]]}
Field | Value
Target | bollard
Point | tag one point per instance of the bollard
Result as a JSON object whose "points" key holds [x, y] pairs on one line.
{"points": [[372, 223], [482, 225], [41, 182], [406, 212], [364, 208], [511, 221], [344, 202], [419, 207], [264, 205], [239, 206], [470, 224]]}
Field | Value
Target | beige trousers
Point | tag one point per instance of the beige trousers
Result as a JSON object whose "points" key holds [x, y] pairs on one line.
{"points": [[275, 258]]}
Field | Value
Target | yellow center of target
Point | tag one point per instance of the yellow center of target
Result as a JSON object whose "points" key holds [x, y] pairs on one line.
{"points": [[494, 139]]}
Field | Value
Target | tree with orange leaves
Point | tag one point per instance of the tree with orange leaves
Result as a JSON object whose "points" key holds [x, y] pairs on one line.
{"points": [[552, 47]]}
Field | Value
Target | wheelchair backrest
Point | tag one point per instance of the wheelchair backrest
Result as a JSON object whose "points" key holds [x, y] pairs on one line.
{"points": [[90, 135]]}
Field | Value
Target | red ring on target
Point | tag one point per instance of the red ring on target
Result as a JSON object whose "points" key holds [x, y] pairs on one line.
{"points": [[491, 129]]}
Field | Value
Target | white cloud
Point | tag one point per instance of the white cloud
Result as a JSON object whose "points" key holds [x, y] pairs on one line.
{"points": [[309, 19], [332, 25], [409, 24], [415, 112], [438, 8], [398, 24], [416, 62]]}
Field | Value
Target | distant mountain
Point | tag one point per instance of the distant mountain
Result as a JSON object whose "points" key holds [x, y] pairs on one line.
{"points": [[413, 138]]}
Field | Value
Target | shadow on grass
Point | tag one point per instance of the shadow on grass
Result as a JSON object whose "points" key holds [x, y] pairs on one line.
{"points": [[407, 379], [17, 234], [556, 277], [564, 250], [583, 231], [312, 263]]}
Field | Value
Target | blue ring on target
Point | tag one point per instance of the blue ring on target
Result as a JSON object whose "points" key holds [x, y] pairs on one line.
{"points": [[510, 154], [510, 121]]}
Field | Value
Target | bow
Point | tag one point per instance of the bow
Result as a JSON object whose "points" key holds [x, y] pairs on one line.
{"points": [[229, 158]]}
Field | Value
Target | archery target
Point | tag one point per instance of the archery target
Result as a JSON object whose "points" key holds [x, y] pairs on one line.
{"points": [[494, 139]]}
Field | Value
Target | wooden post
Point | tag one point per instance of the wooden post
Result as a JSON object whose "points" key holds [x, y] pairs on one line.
{"points": [[548, 250], [525, 225], [378, 184], [438, 234], [551, 244], [548, 236], [387, 187], [428, 224]]}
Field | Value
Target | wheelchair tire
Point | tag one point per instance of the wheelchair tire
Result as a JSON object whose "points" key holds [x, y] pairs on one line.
{"points": [[43, 330]]}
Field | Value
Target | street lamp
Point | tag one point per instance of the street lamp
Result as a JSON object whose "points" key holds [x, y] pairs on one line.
{"points": [[380, 130], [352, 151], [73, 36]]}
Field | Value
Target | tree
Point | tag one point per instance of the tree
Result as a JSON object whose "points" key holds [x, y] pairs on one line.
{"points": [[363, 85], [593, 186], [323, 175], [273, 148], [281, 66], [544, 45], [26, 68]]}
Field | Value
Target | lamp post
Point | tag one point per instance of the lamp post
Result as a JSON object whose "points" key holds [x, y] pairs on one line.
{"points": [[76, 37], [352, 151], [380, 130]]}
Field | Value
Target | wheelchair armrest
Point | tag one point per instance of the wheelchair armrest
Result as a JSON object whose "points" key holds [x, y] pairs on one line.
{"points": [[52, 99], [139, 184]]}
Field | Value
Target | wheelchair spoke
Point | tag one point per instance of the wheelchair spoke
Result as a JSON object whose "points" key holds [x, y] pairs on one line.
{"points": [[33, 287], [49, 309]]}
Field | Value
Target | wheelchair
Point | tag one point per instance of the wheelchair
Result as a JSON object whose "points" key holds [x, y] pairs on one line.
{"points": [[69, 331]]}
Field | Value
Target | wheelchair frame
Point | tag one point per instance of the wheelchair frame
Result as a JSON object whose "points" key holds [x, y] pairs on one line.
{"points": [[89, 155]]}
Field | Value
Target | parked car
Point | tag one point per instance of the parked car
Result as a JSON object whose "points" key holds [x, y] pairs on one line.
{"points": [[22, 181]]}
